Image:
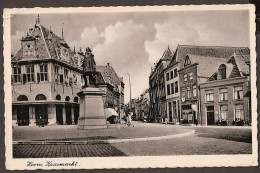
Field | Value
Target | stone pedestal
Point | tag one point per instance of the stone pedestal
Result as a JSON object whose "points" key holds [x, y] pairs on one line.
{"points": [[92, 113]]}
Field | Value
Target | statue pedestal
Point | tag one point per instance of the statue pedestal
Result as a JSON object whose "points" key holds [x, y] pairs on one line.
{"points": [[92, 113]]}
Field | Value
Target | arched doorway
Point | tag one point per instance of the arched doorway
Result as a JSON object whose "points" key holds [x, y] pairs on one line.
{"points": [[41, 110], [68, 110], [59, 111], [76, 110], [22, 112]]}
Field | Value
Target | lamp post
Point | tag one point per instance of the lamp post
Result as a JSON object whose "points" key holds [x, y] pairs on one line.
{"points": [[130, 90]]}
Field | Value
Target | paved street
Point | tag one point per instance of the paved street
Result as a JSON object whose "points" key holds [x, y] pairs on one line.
{"points": [[206, 140]]}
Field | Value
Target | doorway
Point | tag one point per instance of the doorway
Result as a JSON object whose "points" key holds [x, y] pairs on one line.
{"points": [[210, 115], [68, 113], [23, 115], [76, 113], [59, 113], [41, 111]]}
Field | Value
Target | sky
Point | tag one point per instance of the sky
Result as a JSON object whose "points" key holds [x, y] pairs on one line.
{"points": [[133, 41]]}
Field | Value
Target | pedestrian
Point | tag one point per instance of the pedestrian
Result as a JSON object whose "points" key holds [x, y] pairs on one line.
{"points": [[166, 120], [129, 120]]}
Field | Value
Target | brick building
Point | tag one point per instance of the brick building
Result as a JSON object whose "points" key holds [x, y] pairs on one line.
{"points": [[197, 64], [46, 77], [225, 97]]}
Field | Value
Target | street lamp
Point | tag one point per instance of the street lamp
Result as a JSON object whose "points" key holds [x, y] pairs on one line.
{"points": [[130, 90]]}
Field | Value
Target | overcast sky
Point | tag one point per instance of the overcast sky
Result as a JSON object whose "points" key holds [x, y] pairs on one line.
{"points": [[133, 42]]}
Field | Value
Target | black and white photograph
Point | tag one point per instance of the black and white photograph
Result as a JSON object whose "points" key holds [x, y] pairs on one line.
{"points": [[130, 87]]}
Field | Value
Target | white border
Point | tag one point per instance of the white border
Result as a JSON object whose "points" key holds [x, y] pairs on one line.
{"points": [[136, 161]]}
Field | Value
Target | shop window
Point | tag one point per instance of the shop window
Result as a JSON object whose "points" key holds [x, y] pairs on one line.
{"points": [[239, 112], [238, 93], [223, 112], [209, 96], [223, 94], [17, 74]]}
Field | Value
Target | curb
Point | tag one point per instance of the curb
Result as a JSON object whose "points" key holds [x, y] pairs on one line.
{"points": [[110, 141]]}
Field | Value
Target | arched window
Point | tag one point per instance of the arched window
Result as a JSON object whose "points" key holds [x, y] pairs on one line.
{"points": [[76, 99], [22, 98], [222, 72], [187, 61], [67, 98], [40, 97], [58, 97]]}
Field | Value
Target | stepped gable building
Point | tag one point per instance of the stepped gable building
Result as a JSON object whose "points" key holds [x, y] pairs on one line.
{"points": [[197, 64], [225, 96], [114, 87], [157, 88], [46, 77]]}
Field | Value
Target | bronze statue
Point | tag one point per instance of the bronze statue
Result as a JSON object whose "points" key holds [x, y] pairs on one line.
{"points": [[89, 69]]}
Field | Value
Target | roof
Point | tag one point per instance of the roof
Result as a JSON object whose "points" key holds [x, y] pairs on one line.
{"points": [[208, 65], [109, 75], [208, 51], [167, 55]]}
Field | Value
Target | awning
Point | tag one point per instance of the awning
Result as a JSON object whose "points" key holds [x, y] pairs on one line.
{"points": [[110, 112]]}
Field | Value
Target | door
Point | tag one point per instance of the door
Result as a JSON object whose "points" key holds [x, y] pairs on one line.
{"points": [[76, 113], [210, 115], [23, 115], [68, 113], [59, 112], [41, 111]]}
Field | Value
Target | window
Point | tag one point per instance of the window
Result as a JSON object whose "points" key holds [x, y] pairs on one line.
{"points": [[185, 77], [167, 76], [176, 87], [43, 75], [175, 73], [171, 76], [223, 112], [172, 88], [168, 89], [238, 93], [188, 92], [239, 112], [29, 73], [57, 73], [174, 109], [17, 74], [187, 61], [209, 96], [75, 78], [183, 93], [28, 50], [66, 76], [223, 94], [194, 91], [190, 76], [222, 71]]}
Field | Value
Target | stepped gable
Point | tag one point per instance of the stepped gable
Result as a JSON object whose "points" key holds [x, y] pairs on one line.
{"points": [[209, 51]]}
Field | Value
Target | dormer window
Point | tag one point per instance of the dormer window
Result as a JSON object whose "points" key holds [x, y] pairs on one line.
{"points": [[187, 61], [222, 72], [28, 50]]}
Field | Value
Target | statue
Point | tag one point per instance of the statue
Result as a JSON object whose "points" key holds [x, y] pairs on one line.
{"points": [[89, 69]]}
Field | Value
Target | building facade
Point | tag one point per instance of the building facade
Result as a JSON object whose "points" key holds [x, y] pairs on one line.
{"points": [[225, 97], [46, 77], [158, 109]]}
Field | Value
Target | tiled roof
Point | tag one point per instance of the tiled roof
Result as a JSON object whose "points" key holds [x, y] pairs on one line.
{"points": [[109, 75], [167, 55], [208, 65], [208, 51]]}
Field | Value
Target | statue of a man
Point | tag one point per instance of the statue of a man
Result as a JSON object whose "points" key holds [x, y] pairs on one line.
{"points": [[89, 68]]}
